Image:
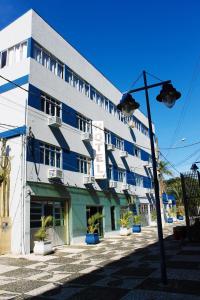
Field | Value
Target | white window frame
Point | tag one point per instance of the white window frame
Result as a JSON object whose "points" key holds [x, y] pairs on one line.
{"points": [[137, 152], [84, 124], [119, 143], [51, 102], [110, 172], [84, 164], [107, 137], [46, 150], [121, 174]]}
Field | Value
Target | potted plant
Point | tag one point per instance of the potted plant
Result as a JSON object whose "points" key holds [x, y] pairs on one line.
{"points": [[92, 235], [125, 222], [136, 223], [180, 213], [153, 217], [43, 246], [169, 216]]}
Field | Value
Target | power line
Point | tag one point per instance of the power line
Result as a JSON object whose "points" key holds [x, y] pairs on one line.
{"points": [[172, 165], [188, 157], [183, 111], [138, 145]]}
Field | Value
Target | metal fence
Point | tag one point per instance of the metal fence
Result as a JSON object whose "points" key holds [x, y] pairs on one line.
{"points": [[190, 182]]}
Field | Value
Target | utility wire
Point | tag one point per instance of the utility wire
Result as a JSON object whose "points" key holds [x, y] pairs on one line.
{"points": [[171, 164], [188, 157], [184, 107], [138, 145], [155, 77]]}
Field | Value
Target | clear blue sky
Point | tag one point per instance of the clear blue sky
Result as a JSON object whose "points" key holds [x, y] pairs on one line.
{"points": [[121, 38]]}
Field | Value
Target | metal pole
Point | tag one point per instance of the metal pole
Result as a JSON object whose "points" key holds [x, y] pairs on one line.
{"points": [[185, 202], [156, 188]]}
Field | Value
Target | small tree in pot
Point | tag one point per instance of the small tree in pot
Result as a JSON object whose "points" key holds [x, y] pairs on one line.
{"points": [[92, 235], [136, 223], [125, 223], [43, 246]]}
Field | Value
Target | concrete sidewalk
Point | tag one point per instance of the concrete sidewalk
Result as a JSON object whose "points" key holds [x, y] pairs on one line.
{"points": [[117, 268]]}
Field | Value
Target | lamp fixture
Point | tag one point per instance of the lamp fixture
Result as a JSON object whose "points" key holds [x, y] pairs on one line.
{"points": [[128, 104], [168, 95]]}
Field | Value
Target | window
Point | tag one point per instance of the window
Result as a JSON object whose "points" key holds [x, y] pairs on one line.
{"points": [[13, 54], [36, 213], [50, 155], [48, 61], [110, 172], [87, 89], [46, 208], [137, 152], [138, 180], [84, 164], [107, 137], [50, 106], [119, 143], [84, 124], [93, 95], [106, 103], [121, 176], [37, 53], [69, 76], [58, 214]]}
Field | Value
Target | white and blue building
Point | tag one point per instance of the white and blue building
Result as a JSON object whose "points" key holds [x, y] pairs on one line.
{"points": [[62, 96]]}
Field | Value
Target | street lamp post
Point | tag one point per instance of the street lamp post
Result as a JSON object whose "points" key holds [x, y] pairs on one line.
{"points": [[127, 105]]}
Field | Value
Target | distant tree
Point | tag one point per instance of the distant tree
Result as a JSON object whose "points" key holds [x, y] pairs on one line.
{"points": [[173, 186], [163, 169]]}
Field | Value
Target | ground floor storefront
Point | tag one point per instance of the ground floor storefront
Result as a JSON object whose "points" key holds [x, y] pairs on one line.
{"points": [[70, 208]]}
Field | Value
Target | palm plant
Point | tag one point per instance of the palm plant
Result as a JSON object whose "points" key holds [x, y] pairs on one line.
{"points": [[163, 170], [126, 219], [93, 223], [41, 234]]}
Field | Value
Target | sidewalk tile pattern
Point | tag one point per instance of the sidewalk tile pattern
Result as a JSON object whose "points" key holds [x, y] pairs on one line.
{"points": [[117, 268]]}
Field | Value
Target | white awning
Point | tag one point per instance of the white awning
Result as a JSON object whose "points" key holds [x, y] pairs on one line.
{"points": [[143, 200]]}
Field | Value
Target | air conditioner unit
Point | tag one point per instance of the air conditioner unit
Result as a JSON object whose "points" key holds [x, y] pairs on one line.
{"points": [[131, 124], [87, 179], [112, 184], [123, 153], [125, 187], [55, 174], [86, 136], [55, 121], [110, 147]]}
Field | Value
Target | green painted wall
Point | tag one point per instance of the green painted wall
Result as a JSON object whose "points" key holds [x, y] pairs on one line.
{"points": [[80, 198]]}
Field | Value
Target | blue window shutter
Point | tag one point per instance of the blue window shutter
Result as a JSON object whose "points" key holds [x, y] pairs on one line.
{"points": [[115, 173], [113, 139], [69, 115], [146, 182], [129, 147], [33, 150], [129, 177], [70, 161], [144, 155], [30, 45], [34, 99]]}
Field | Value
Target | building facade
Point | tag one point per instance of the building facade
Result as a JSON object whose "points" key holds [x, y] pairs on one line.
{"points": [[79, 154]]}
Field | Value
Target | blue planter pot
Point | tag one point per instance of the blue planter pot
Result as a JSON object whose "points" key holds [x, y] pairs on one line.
{"points": [[92, 238], [170, 220], [180, 217], [136, 228]]}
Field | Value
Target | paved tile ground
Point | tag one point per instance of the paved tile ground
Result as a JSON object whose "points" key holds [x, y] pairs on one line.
{"points": [[125, 268]]}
